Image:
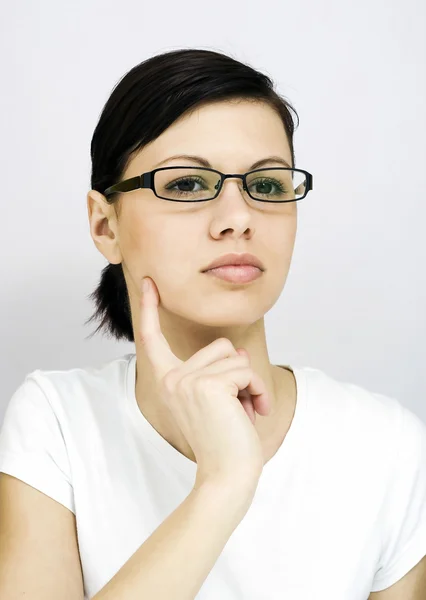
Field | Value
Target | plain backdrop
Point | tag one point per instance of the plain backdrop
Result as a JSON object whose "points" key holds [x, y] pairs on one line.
{"points": [[355, 298]]}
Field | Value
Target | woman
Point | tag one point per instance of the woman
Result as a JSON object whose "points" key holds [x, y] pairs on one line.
{"points": [[194, 467]]}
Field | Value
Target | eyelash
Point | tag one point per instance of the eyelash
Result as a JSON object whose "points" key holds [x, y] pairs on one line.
{"points": [[200, 181]]}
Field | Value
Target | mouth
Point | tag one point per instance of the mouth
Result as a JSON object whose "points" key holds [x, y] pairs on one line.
{"points": [[236, 273]]}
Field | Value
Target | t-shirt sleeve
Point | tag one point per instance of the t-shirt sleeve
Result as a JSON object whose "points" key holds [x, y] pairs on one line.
{"points": [[32, 445], [404, 535]]}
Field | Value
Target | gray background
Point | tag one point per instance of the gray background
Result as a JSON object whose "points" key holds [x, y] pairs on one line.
{"points": [[354, 302]]}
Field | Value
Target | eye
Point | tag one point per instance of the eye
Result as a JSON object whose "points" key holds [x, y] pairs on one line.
{"points": [[267, 182], [187, 183]]}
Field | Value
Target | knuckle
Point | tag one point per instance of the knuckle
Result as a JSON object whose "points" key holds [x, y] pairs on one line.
{"points": [[184, 383], [203, 383], [169, 381], [240, 362], [226, 344], [245, 361]]}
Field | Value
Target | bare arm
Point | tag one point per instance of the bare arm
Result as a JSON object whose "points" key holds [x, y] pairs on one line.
{"points": [[176, 559]]}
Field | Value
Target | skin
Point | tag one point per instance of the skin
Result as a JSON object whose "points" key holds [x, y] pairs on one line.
{"points": [[172, 242]]}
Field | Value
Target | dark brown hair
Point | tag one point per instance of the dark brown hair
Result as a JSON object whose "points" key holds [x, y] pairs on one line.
{"points": [[143, 104]]}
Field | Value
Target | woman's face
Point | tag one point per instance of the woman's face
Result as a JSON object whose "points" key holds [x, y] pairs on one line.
{"points": [[172, 242]]}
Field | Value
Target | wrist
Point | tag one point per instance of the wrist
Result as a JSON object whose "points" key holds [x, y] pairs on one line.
{"points": [[236, 495]]}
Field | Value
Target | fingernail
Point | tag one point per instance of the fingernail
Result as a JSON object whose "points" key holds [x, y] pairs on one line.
{"points": [[145, 285]]}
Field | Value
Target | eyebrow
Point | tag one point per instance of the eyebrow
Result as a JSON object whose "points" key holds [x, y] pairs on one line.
{"points": [[205, 163]]}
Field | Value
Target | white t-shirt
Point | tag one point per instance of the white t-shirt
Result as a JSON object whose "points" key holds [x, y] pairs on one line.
{"points": [[339, 511]]}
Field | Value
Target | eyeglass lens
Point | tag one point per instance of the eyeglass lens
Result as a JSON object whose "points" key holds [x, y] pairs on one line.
{"points": [[192, 184]]}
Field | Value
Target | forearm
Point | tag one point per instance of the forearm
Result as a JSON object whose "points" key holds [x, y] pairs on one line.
{"points": [[177, 558]]}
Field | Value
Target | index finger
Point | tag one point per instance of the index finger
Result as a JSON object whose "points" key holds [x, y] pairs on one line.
{"points": [[156, 346]]}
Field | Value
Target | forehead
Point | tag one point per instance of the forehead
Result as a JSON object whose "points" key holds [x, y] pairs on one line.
{"points": [[231, 135]]}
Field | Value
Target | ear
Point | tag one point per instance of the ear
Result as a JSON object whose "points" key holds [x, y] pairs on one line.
{"points": [[103, 226]]}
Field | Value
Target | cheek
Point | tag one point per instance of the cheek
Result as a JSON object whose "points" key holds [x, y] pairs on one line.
{"points": [[139, 244], [281, 237], [143, 233], [162, 247]]}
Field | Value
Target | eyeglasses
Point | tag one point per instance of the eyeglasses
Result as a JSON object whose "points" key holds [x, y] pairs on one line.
{"points": [[197, 184]]}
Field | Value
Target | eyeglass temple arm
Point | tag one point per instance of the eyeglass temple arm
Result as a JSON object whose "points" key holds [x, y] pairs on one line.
{"points": [[125, 186]]}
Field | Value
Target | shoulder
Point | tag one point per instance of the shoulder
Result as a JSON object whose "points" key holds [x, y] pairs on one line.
{"points": [[336, 397], [364, 426], [80, 388]]}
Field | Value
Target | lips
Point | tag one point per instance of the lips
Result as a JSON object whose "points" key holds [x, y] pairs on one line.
{"points": [[236, 273], [236, 260]]}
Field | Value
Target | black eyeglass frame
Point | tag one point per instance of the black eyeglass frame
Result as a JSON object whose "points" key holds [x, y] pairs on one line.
{"points": [[146, 180]]}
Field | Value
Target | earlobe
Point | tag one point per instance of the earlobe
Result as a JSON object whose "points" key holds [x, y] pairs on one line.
{"points": [[108, 246]]}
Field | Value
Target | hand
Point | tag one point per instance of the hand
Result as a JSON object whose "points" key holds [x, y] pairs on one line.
{"points": [[213, 397]]}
